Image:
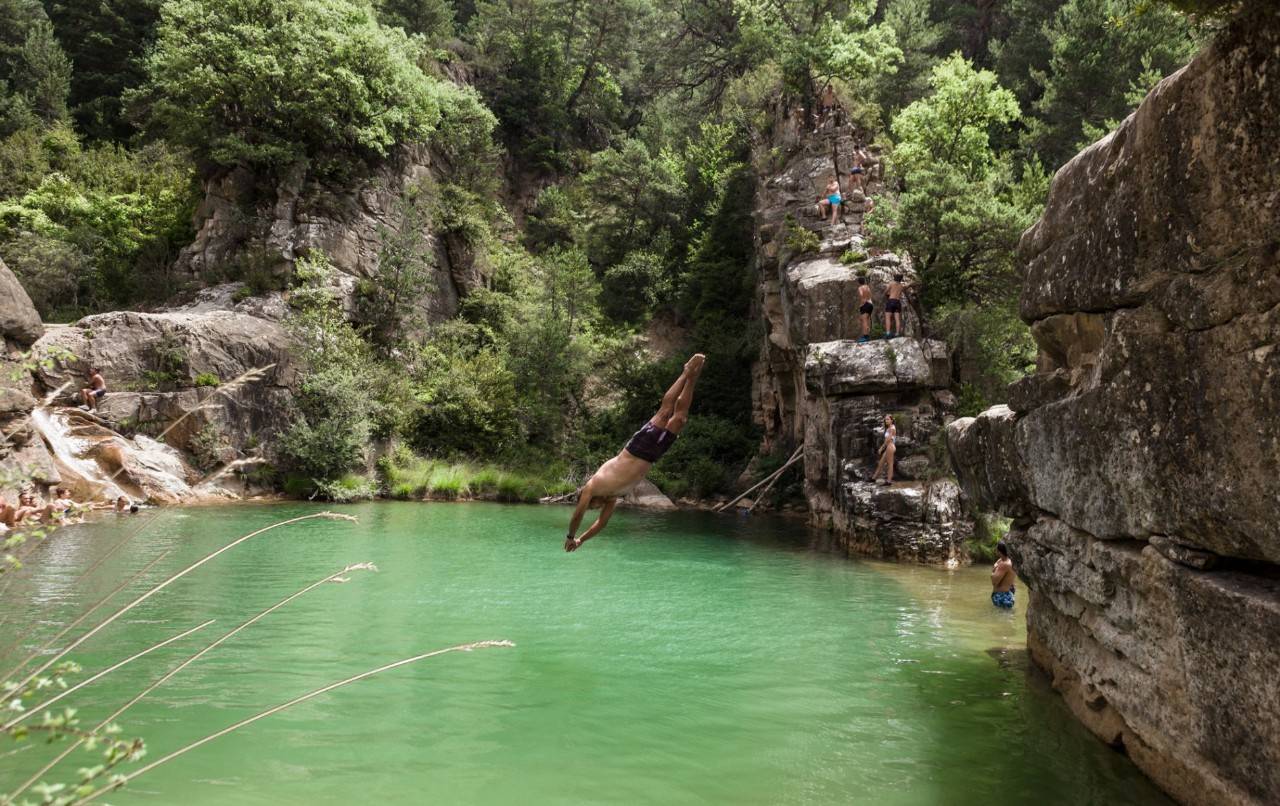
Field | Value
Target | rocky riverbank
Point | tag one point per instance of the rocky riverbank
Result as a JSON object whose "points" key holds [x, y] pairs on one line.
{"points": [[1141, 460]]}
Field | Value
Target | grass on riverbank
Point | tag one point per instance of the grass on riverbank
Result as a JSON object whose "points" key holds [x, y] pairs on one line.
{"points": [[414, 477]]}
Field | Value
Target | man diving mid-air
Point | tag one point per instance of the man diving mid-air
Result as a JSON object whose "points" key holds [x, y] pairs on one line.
{"points": [[618, 475]]}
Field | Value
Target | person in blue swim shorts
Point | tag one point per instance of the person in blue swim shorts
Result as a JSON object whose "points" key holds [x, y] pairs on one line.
{"points": [[1002, 578]]}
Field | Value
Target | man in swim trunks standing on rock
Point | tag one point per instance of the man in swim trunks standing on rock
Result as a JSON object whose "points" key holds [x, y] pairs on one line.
{"points": [[864, 307], [618, 475], [893, 308]]}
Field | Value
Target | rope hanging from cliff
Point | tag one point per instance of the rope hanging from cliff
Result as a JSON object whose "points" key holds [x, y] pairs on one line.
{"points": [[769, 479]]}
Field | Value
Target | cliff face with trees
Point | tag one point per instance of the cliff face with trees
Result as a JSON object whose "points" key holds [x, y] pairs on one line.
{"points": [[490, 229], [1140, 460]]}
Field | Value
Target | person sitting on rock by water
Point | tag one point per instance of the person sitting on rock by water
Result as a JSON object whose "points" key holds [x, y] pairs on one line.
{"points": [[893, 308], [864, 307], [887, 449], [1002, 578], [832, 201], [618, 475], [92, 393]]}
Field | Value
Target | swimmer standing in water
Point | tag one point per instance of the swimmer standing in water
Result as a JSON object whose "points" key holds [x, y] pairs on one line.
{"points": [[618, 475]]}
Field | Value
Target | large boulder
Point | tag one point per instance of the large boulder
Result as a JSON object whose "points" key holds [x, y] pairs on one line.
{"points": [[23, 457], [923, 522], [19, 320], [821, 297], [894, 365], [985, 458], [1142, 457], [1136, 644], [216, 375]]}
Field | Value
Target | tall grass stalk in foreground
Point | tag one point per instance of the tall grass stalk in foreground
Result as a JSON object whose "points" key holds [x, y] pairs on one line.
{"points": [[17, 642], [282, 706], [35, 709], [166, 583], [337, 577]]}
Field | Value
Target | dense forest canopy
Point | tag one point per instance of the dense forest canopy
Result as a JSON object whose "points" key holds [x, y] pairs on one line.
{"points": [[599, 158]]}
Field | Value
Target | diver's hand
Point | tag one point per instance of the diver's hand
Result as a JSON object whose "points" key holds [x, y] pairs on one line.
{"points": [[571, 543]]}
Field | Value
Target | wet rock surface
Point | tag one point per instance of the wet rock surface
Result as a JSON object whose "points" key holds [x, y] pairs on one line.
{"points": [[164, 367], [1141, 460]]}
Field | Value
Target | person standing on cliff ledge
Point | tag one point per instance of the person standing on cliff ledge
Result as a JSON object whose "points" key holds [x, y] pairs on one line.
{"points": [[1002, 578], [888, 448], [864, 307], [618, 475]]}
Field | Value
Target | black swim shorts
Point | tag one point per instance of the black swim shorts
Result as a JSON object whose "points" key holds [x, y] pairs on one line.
{"points": [[893, 306], [98, 392], [865, 308], [650, 442]]}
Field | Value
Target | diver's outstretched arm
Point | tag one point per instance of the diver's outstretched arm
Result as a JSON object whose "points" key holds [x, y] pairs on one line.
{"points": [[596, 527]]}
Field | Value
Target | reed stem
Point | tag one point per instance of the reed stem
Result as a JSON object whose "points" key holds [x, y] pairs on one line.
{"points": [[278, 708], [166, 583]]}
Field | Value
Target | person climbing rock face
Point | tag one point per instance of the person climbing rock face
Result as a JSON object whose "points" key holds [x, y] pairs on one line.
{"points": [[92, 393], [1002, 578], [888, 448], [893, 308], [618, 475], [864, 307], [832, 202], [857, 174]]}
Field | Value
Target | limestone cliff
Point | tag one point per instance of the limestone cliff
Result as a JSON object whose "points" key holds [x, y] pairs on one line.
{"points": [[814, 384], [247, 221], [20, 326], [1141, 460]]}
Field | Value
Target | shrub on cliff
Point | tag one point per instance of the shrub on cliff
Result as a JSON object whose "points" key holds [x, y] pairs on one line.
{"points": [[268, 83], [958, 213], [334, 400]]}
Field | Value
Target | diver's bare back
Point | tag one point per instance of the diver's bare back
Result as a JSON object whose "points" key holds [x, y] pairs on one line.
{"points": [[617, 476]]}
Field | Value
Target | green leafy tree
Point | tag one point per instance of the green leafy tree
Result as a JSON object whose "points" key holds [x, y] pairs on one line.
{"points": [[816, 41], [956, 215], [629, 197], [269, 83], [465, 395], [34, 71], [47, 80], [329, 438], [556, 72], [919, 37], [1101, 58], [105, 219], [1025, 50], [106, 43], [431, 19], [960, 214], [393, 304]]}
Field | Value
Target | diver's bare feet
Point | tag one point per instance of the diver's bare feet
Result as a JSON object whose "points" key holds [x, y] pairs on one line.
{"points": [[694, 365]]}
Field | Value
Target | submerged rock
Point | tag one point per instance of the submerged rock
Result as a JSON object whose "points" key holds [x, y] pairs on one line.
{"points": [[1142, 459]]}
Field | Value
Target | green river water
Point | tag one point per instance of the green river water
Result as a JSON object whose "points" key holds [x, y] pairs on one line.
{"points": [[679, 658]]}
